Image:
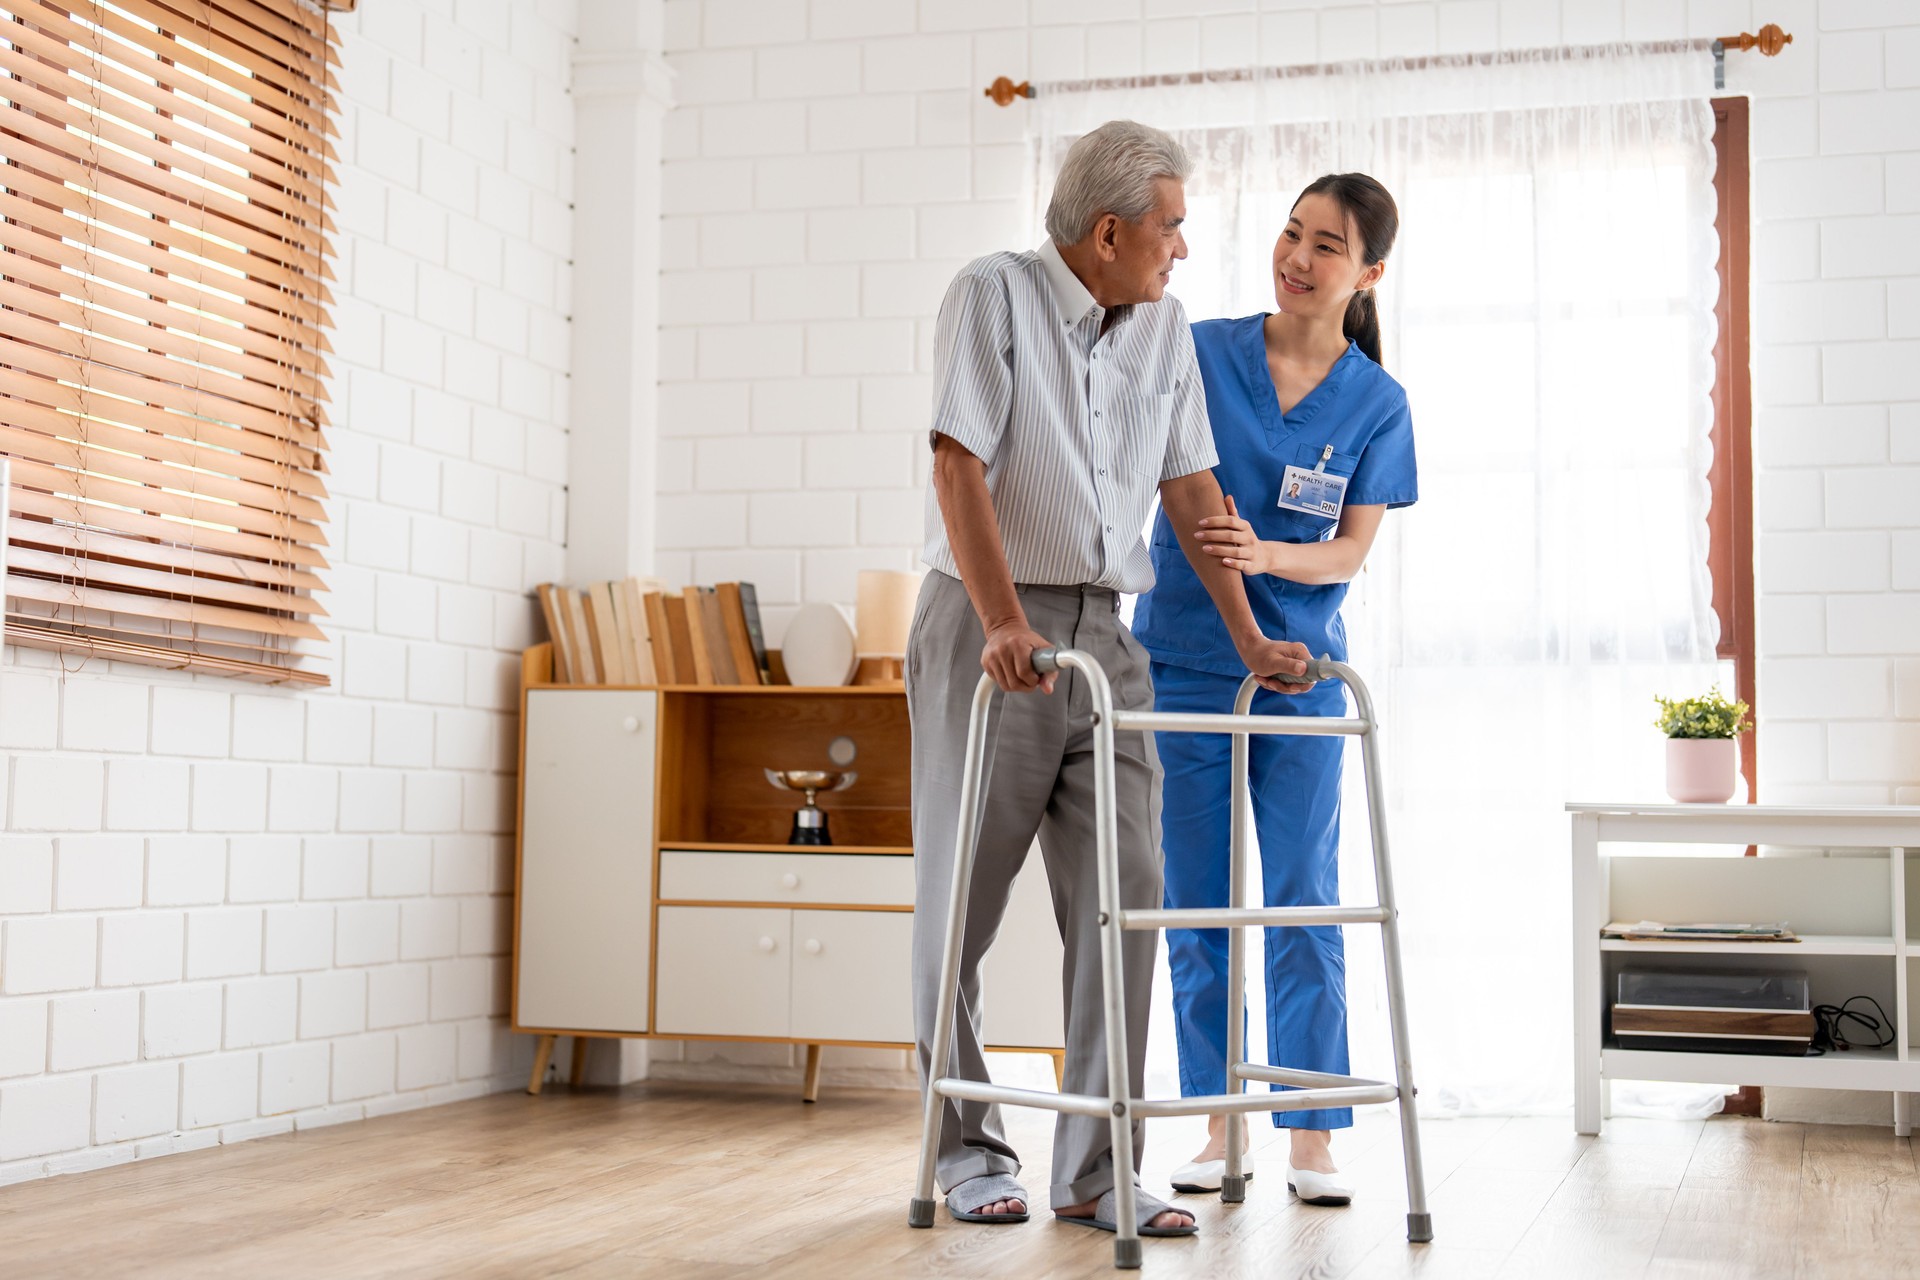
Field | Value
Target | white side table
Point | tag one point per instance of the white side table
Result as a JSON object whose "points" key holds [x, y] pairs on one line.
{"points": [[1851, 898]]}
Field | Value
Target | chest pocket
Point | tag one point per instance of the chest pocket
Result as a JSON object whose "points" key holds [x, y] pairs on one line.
{"points": [[1297, 526], [1137, 427]]}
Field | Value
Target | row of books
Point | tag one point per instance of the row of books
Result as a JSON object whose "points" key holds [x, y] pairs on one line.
{"points": [[636, 632]]}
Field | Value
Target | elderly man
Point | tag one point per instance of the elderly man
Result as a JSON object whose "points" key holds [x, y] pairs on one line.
{"points": [[1065, 393]]}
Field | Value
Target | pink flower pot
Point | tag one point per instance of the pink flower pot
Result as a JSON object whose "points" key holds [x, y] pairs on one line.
{"points": [[1701, 770]]}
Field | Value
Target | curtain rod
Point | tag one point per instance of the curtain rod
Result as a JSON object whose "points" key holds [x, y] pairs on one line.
{"points": [[1769, 42]]}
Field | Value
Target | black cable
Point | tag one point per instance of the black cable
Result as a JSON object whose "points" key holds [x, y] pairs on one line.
{"points": [[1829, 1031]]}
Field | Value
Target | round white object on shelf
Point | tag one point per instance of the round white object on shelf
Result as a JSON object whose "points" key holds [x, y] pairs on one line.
{"points": [[818, 647]]}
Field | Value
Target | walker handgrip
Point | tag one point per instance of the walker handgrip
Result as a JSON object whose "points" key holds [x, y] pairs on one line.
{"points": [[1046, 661]]}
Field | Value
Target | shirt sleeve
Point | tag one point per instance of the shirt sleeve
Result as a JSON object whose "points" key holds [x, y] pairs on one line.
{"points": [[1387, 474], [1189, 433], [973, 365]]}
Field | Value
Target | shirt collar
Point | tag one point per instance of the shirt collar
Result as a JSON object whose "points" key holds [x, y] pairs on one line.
{"points": [[1070, 297]]}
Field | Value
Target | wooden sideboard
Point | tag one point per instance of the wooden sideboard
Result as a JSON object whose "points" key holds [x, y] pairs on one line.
{"points": [[656, 896]]}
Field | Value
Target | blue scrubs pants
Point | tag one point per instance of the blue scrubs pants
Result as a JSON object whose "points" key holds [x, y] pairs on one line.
{"points": [[1296, 805]]}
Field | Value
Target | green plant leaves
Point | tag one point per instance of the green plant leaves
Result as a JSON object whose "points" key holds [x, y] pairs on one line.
{"points": [[1708, 716]]}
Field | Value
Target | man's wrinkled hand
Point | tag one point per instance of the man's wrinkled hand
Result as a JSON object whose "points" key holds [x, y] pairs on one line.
{"points": [[1008, 658], [1280, 665]]}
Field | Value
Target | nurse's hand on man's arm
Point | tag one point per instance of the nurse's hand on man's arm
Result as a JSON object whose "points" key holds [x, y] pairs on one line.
{"points": [[1008, 657], [1233, 542]]}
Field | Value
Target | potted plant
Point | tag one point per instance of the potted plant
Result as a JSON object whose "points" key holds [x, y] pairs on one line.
{"points": [[1700, 751]]}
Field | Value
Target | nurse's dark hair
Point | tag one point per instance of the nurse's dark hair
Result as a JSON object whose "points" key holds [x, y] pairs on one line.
{"points": [[1376, 218]]}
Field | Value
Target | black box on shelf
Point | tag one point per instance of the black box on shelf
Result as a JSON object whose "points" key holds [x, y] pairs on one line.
{"points": [[1713, 1011]]}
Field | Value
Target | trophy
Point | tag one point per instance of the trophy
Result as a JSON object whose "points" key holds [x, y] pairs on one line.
{"points": [[809, 820]]}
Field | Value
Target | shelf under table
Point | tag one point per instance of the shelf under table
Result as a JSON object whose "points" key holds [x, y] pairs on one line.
{"points": [[1810, 944], [1874, 1069]]}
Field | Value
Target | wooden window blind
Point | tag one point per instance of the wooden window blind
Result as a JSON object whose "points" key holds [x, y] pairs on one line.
{"points": [[163, 308]]}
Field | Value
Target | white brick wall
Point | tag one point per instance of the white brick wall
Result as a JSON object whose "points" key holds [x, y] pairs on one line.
{"points": [[207, 887]]}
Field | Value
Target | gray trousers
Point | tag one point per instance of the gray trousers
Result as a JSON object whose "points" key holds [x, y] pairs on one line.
{"points": [[1039, 780]]}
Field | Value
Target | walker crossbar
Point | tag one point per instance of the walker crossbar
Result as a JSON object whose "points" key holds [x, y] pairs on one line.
{"points": [[1312, 1090]]}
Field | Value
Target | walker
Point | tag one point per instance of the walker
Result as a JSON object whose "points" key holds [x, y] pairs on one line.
{"points": [[1311, 1089]]}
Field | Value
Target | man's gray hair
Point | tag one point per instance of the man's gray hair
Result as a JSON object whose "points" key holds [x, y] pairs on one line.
{"points": [[1112, 170]]}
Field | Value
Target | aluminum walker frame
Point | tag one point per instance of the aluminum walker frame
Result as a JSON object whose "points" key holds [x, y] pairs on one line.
{"points": [[1310, 1090]]}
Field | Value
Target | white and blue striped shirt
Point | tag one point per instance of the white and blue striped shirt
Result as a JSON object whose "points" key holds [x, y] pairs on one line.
{"points": [[1077, 428]]}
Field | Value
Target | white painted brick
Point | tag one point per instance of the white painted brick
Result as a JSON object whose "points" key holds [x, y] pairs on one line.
{"points": [[40, 1117], [1849, 61], [751, 239], [332, 1004], [1872, 623], [460, 989], [1823, 562], [966, 231], [484, 1048], [837, 19], [177, 1021], [1856, 123], [1114, 49], [263, 868], [1826, 688], [486, 926], [486, 803], [706, 297], [367, 933], [429, 929], [26, 875], [334, 867], [896, 403], [223, 943], [859, 123], [186, 870], [229, 797], [299, 938], [859, 346], [23, 1037], [1818, 188], [465, 615], [1858, 372], [752, 129], [1058, 53], [303, 799], [1876, 247], [98, 872], [775, 574], [376, 536], [833, 574], [702, 408], [1874, 498], [1906, 562], [732, 463], [52, 953], [1903, 308], [860, 461], [362, 1067], [103, 715], [1792, 499], [1226, 42], [1879, 752], [261, 1011], [1786, 251], [895, 518], [1820, 311], [432, 802], [29, 710], [146, 795], [1787, 375], [401, 866], [293, 1077], [100, 1029], [57, 793], [375, 668], [396, 995], [427, 1056], [139, 947], [805, 292], [706, 186], [219, 1089], [917, 176], [802, 406], [1173, 46], [802, 519], [762, 350], [136, 1102], [402, 606], [370, 800], [1906, 691], [1829, 435]]}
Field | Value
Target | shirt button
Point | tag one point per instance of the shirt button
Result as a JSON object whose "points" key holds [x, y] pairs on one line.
{"points": [[1096, 413], [1103, 471]]}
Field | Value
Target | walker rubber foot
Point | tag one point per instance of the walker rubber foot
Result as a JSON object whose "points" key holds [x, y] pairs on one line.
{"points": [[1126, 1255], [919, 1213], [1420, 1228], [1233, 1188]]}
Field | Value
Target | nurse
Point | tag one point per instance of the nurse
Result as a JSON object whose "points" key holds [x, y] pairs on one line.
{"points": [[1315, 444]]}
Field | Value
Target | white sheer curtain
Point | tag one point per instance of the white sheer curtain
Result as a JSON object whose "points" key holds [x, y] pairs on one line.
{"points": [[1549, 309]]}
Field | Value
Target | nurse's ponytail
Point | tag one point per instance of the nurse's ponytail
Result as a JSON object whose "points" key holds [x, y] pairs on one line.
{"points": [[1376, 219]]}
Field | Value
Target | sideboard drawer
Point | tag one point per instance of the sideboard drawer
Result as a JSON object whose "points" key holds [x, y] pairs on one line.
{"points": [[846, 879], [724, 971]]}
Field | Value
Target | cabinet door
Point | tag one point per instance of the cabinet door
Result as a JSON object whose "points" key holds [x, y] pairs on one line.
{"points": [[1020, 978], [586, 860], [851, 975], [724, 971]]}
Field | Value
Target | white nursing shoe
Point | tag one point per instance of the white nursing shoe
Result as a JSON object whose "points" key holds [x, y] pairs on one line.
{"points": [[1202, 1175], [1318, 1188]]}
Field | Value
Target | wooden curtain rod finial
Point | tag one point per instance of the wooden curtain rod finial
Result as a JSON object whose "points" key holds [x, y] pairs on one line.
{"points": [[1769, 42], [1003, 91]]}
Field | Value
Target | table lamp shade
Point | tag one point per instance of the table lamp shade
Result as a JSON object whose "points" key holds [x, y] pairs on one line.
{"points": [[884, 611]]}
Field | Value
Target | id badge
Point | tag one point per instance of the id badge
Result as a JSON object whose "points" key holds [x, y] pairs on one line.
{"points": [[1314, 493]]}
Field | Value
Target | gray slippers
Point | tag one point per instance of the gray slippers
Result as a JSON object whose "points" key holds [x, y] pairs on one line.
{"points": [[1145, 1208], [965, 1201]]}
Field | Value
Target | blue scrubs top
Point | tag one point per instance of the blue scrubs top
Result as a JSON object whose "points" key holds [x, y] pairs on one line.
{"points": [[1358, 409]]}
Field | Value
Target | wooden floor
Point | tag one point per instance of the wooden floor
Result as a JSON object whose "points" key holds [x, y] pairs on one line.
{"points": [[663, 1180]]}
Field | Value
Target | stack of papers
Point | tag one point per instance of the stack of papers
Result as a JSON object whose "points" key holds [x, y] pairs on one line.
{"points": [[1654, 931]]}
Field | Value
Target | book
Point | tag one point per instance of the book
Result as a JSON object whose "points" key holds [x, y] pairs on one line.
{"points": [[660, 637], [733, 619], [586, 669], [642, 635], [697, 636], [623, 632], [719, 651], [606, 633], [680, 640], [551, 609], [756, 635]]}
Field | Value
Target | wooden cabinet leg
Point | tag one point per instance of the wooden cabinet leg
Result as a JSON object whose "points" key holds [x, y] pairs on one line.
{"points": [[577, 1074], [1059, 1057], [810, 1091], [542, 1054]]}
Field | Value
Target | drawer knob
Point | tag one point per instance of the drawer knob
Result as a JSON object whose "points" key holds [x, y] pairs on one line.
{"points": [[631, 724], [790, 880], [813, 946], [766, 943]]}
